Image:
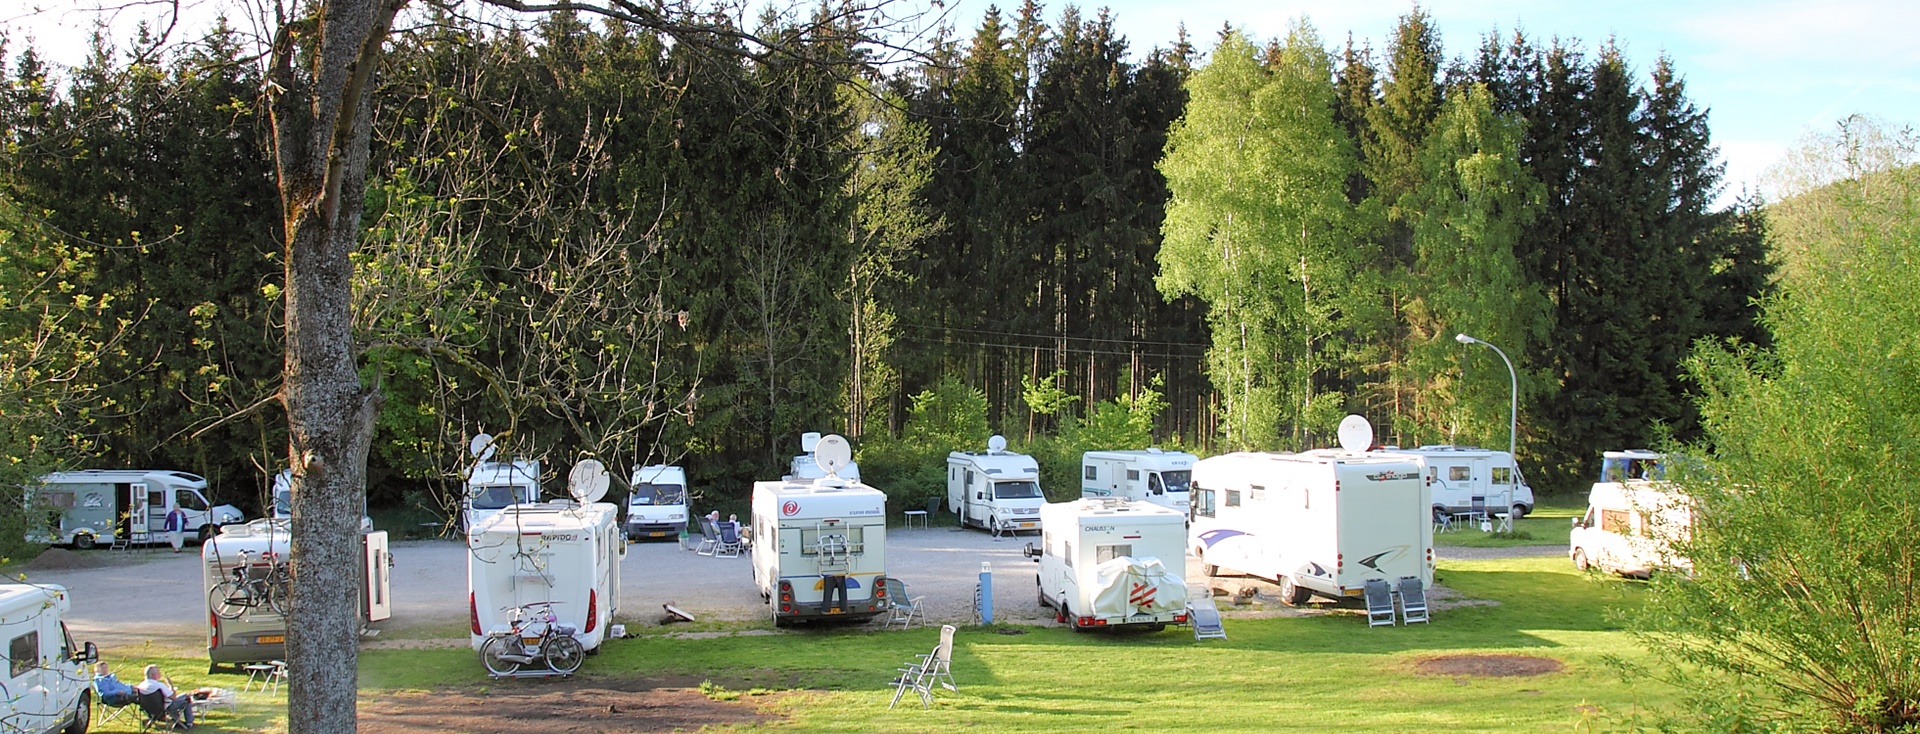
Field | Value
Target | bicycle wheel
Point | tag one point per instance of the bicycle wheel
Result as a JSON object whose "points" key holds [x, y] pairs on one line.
{"points": [[228, 600], [564, 654], [490, 656], [279, 588]]}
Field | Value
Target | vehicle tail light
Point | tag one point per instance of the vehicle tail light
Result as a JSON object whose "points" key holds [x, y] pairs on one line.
{"points": [[1092, 622], [473, 612], [1179, 619], [213, 623], [593, 610], [786, 596]]}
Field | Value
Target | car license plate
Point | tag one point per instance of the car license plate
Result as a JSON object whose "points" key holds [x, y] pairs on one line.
{"points": [[1026, 524], [270, 640]]}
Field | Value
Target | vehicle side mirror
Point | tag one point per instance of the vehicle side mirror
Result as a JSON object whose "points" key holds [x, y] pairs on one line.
{"points": [[1031, 552], [1579, 522], [89, 654]]}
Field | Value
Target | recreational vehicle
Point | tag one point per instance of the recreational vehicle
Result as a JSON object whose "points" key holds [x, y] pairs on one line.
{"points": [[1633, 518], [657, 502], [1151, 475], [281, 505], [251, 629], [47, 678], [807, 466], [820, 545], [1110, 562], [565, 551], [1321, 522], [495, 485], [1469, 478], [997, 490], [84, 508]]}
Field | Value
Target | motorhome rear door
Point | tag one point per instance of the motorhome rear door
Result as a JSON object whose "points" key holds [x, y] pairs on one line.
{"points": [[378, 591]]}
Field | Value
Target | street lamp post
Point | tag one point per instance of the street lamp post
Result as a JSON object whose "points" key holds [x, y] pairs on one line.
{"points": [[1513, 414]]}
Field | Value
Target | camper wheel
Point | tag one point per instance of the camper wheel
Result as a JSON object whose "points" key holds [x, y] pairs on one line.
{"points": [[82, 715], [1293, 594], [1580, 559], [207, 531], [1517, 512], [82, 541]]}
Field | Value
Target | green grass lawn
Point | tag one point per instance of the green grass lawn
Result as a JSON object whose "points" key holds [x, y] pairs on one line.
{"points": [[1285, 674]]}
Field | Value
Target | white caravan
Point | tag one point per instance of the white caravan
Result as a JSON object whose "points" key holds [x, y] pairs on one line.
{"points": [[1150, 475], [1320, 522], [84, 508], [997, 490], [259, 634], [1633, 518], [47, 680], [820, 545], [565, 551], [656, 502], [806, 466], [1459, 475], [1110, 562]]}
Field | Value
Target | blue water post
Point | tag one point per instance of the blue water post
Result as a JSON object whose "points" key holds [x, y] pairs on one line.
{"points": [[986, 593]]}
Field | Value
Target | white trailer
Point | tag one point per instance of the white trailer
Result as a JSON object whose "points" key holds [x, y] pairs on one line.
{"points": [[1110, 562], [565, 551], [259, 634], [1149, 475], [996, 490], [806, 466], [1633, 518], [1321, 522], [820, 545], [84, 508], [1463, 478], [656, 502], [47, 681]]}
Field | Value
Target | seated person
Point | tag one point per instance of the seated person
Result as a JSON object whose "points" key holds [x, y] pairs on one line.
{"points": [[113, 692], [172, 706]]}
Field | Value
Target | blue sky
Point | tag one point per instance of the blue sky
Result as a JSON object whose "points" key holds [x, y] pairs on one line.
{"points": [[1768, 71]]}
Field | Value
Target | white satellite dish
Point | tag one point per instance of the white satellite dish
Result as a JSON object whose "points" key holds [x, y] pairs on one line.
{"points": [[832, 453], [588, 481], [996, 443], [1356, 434], [481, 447]]}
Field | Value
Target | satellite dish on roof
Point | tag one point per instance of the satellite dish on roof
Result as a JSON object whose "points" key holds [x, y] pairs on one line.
{"points": [[1356, 434], [481, 447], [996, 444], [588, 481], [832, 453]]}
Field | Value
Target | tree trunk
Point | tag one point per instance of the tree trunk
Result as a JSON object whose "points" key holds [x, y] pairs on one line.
{"points": [[322, 68]]}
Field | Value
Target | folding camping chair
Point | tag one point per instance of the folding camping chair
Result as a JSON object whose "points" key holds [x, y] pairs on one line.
{"points": [[934, 667], [1206, 619], [111, 709], [1379, 598], [729, 544], [902, 609], [1413, 601], [709, 538]]}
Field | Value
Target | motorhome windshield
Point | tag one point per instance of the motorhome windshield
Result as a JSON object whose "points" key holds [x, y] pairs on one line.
{"points": [[1176, 481], [1020, 490], [1621, 469], [493, 496], [658, 494]]}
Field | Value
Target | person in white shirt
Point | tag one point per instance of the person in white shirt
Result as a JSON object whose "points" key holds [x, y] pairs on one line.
{"points": [[181, 706]]}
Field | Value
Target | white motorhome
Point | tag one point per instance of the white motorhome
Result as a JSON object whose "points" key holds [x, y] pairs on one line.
{"points": [[1321, 522], [996, 490], [1460, 475], [806, 466], [1150, 475], [259, 634], [280, 506], [1110, 562], [1633, 518], [820, 545], [656, 502], [47, 683], [495, 485], [85, 508], [562, 551]]}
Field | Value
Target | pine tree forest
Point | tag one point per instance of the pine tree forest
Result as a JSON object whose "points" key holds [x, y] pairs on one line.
{"points": [[590, 241]]}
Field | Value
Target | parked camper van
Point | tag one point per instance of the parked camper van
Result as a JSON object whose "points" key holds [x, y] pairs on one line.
{"points": [[1150, 475], [258, 633], [47, 681], [996, 490], [84, 508], [806, 466], [281, 505], [1321, 522], [820, 545], [1633, 518], [657, 502], [564, 551], [495, 485], [1111, 562], [1461, 476]]}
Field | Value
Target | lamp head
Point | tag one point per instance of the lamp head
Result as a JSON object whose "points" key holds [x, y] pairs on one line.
{"points": [[1464, 339]]}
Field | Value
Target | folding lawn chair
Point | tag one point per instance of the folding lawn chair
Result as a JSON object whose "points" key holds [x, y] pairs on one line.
{"points": [[709, 538], [921, 675], [1379, 598], [902, 609], [1413, 601], [729, 544], [1206, 619]]}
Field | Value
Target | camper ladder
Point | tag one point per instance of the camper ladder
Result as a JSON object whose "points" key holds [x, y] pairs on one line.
{"points": [[831, 549]]}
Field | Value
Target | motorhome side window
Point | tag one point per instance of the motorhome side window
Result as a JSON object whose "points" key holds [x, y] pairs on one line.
{"points": [[156, 498], [1202, 502], [1068, 556], [1153, 485], [1233, 498], [1459, 473], [1091, 473], [1503, 475], [189, 500], [23, 654], [1615, 521], [1133, 475], [1104, 553]]}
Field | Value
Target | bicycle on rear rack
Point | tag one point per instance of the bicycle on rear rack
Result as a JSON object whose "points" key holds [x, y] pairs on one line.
{"points": [[534, 636], [252, 584]]}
